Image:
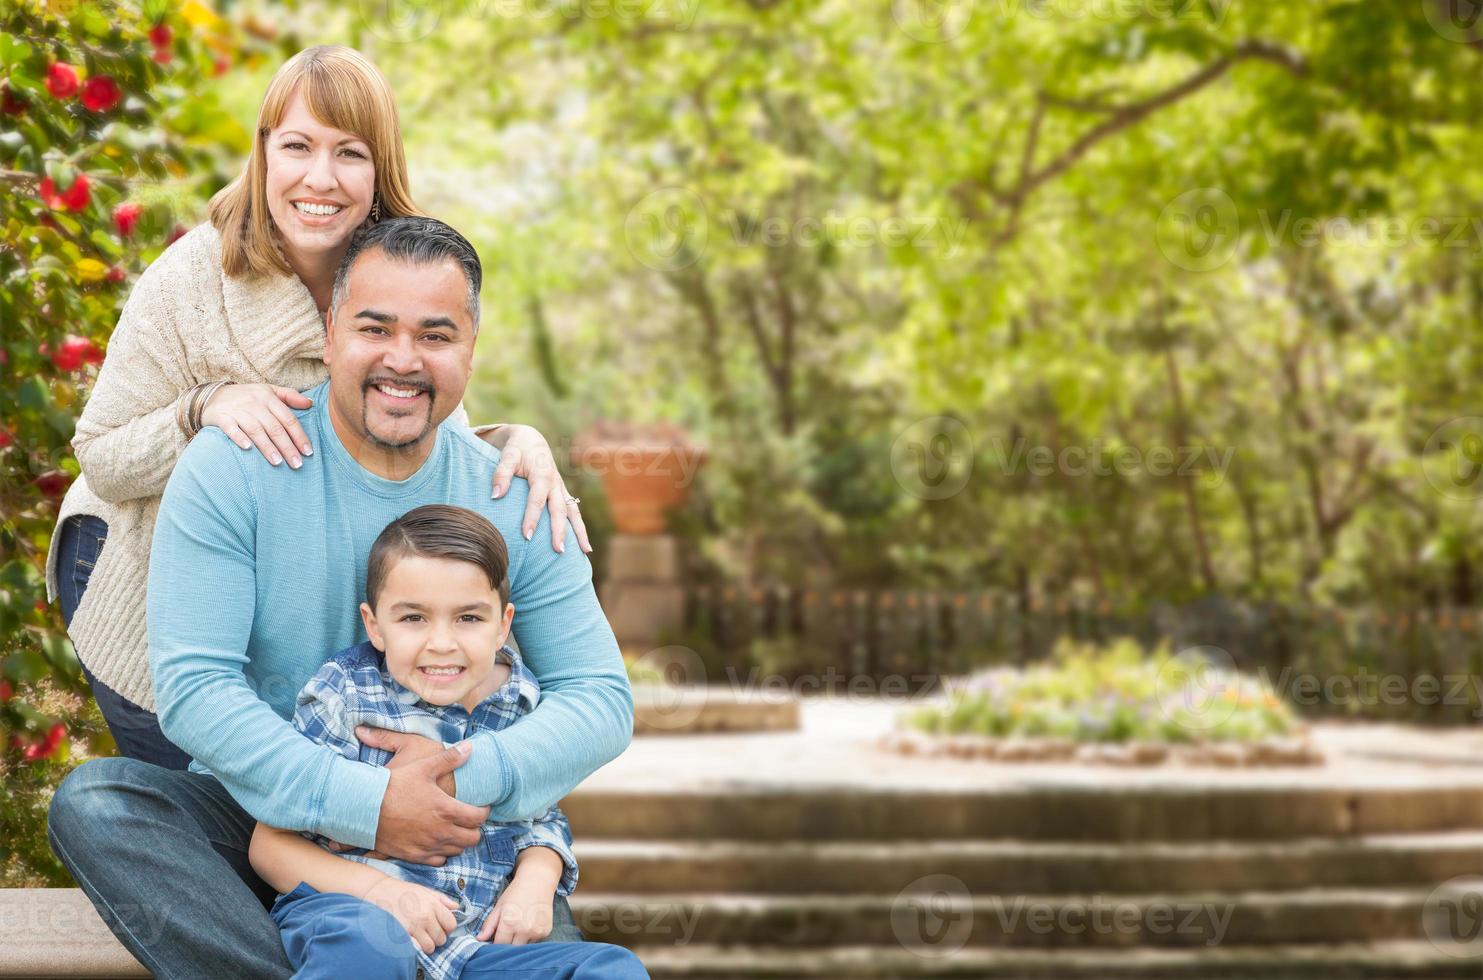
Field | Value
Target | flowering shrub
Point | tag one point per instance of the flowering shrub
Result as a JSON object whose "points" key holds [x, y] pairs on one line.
{"points": [[106, 132], [1118, 694]]}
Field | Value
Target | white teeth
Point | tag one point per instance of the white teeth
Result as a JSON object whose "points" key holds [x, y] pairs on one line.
{"points": [[398, 392], [442, 671], [317, 208]]}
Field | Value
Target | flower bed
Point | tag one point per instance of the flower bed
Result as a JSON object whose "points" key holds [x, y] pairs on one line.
{"points": [[1117, 705]]}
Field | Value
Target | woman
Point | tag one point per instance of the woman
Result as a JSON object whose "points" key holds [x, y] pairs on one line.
{"points": [[225, 329]]}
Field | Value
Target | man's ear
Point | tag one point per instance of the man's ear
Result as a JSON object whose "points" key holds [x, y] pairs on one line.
{"points": [[373, 628], [329, 334]]}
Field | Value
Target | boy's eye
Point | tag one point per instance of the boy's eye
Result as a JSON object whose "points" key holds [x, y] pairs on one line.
{"points": [[471, 618], [412, 618]]}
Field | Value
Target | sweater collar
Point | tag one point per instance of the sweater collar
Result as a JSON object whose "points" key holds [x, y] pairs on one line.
{"points": [[272, 319]]}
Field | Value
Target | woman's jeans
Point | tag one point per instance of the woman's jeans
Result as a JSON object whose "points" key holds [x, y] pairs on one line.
{"points": [[135, 730]]}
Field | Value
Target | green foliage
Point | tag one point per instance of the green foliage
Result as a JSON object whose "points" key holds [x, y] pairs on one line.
{"points": [[640, 158], [1118, 694], [107, 130]]}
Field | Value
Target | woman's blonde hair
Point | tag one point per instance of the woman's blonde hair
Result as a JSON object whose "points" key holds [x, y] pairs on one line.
{"points": [[342, 89]]}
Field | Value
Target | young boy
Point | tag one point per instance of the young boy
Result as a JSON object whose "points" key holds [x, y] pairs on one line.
{"points": [[437, 612]]}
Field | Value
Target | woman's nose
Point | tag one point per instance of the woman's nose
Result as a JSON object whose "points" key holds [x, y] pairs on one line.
{"points": [[321, 173]]}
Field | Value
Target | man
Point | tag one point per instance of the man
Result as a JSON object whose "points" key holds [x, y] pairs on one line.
{"points": [[256, 574]]}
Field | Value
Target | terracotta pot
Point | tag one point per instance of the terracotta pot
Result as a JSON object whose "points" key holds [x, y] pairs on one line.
{"points": [[646, 471]]}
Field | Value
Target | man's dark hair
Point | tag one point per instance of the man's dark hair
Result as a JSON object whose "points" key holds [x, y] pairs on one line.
{"points": [[439, 531], [420, 241]]}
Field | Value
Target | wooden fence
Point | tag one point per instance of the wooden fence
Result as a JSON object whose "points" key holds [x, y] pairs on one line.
{"points": [[1414, 664]]}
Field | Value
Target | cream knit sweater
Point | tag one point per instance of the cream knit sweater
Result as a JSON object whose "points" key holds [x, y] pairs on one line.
{"points": [[186, 322]]}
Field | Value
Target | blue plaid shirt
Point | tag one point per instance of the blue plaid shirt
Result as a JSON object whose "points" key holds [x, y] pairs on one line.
{"points": [[354, 689]]}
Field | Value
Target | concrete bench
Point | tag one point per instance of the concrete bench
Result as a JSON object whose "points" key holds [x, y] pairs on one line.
{"points": [[55, 932]]}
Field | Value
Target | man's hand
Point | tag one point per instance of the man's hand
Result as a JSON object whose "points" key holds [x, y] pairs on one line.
{"points": [[406, 748], [420, 822]]}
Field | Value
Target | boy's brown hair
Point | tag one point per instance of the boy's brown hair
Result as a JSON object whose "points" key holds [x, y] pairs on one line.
{"points": [[440, 531]]}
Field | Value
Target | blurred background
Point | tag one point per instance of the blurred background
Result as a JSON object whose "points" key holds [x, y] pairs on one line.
{"points": [[889, 343]]}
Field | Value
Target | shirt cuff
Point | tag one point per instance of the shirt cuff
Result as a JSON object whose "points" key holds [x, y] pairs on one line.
{"points": [[485, 779], [568, 882], [352, 802]]}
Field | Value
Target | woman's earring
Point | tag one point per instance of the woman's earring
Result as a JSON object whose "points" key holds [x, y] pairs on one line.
{"points": [[376, 209]]}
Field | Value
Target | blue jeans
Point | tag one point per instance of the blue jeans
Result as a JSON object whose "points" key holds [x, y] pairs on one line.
{"points": [[162, 854], [136, 731], [330, 936]]}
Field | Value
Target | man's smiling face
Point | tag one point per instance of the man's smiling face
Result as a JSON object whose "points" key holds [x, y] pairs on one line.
{"points": [[400, 349]]}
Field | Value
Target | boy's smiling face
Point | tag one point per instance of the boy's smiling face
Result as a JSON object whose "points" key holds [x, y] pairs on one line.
{"points": [[440, 624]]}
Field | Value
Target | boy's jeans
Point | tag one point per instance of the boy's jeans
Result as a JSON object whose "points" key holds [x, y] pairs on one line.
{"points": [[162, 854]]}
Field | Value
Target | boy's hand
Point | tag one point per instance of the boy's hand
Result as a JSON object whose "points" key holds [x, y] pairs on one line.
{"points": [[427, 915], [521, 915]]}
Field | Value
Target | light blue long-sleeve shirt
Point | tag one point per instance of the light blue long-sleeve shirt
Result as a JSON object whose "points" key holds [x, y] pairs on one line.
{"points": [[255, 579]]}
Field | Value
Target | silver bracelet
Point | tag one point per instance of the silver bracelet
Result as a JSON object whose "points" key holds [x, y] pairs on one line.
{"points": [[200, 405]]}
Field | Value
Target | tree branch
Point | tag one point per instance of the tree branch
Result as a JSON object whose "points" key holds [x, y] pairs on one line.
{"points": [[1119, 118]]}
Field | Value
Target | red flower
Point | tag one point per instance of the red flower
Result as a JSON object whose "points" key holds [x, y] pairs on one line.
{"points": [[10, 103], [126, 216], [221, 65], [116, 274], [176, 234], [160, 35], [75, 352], [5, 437], [53, 483], [100, 93], [6, 691], [162, 56], [41, 605], [74, 198], [61, 80], [48, 744]]}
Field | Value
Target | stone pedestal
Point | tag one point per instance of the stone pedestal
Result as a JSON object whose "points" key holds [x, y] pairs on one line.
{"points": [[642, 593]]}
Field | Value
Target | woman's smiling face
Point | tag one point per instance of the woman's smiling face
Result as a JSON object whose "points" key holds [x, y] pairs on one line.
{"points": [[320, 182]]}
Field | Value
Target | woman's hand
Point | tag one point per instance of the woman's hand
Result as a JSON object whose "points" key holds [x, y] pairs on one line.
{"points": [[427, 915], [258, 415], [525, 452]]}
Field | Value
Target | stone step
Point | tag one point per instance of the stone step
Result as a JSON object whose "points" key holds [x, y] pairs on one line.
{"points": [[1060, 810], [1401, 960], [1203, 919], [56, 933], [1025, 867]]}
